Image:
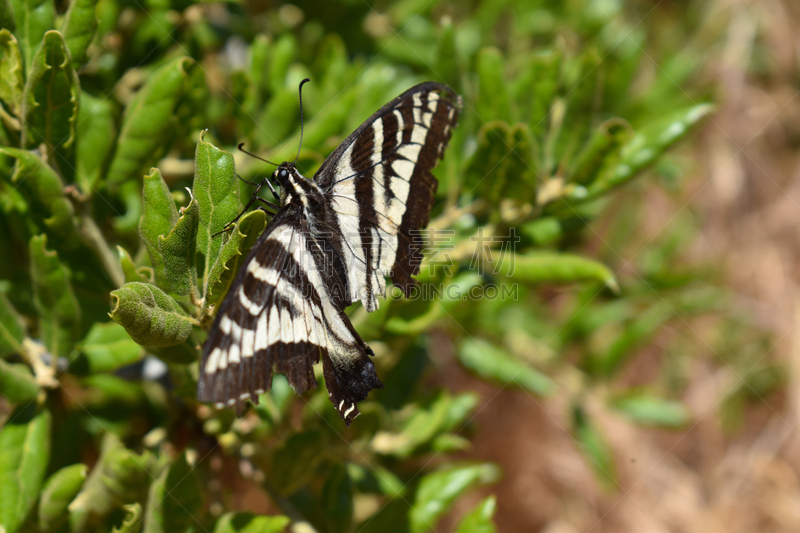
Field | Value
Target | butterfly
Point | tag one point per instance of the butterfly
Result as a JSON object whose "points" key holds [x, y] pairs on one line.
{"points": [[332, 242]]}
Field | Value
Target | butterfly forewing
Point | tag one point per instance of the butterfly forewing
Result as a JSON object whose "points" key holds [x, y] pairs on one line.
{"points": [[334, 242], [381, 188]]}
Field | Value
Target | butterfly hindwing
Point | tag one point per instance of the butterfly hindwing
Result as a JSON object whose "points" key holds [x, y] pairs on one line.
{"points": [[279, 317]]}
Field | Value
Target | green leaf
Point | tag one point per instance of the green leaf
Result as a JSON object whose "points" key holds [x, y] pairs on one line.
{"points": [[441, 413], [178, 249], [149, 315], [502, 166], [636, 334], [25, 441], [650, 410], [133, 519], [96, 134], [131, 271], [283, 53], [235, 248], [593, 445], [17, 383], [120, 476], [644, 148], [493, 102], [554, 267], [494, 364], [296, 461], [336, 503], [59, 312], [11, 78], [78, 27], [44, 191], [149, 121], [12, 332], [7, 16], [250, 523], [159, 215], [50, 101], [59, 490], [438, 491], [174, 499], [33, 19], [216, 190], [479, 519], [601, 145], [105, 348], [452, 293]]}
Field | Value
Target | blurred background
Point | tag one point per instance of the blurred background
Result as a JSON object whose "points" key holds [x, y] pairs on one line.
{"points": [[639, 162]]}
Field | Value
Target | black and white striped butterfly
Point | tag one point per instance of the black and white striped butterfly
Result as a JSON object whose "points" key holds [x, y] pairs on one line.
{"points": [[333, 242]]}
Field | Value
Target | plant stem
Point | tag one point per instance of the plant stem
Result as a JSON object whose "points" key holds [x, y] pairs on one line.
{"points": [[93, 238]]}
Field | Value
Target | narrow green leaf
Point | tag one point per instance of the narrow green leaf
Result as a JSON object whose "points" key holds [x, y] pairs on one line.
{"points": [[33, 19], [636, 334], [454, 291], [448, 64], [235, 248], [12, 332], [336, 502], [17, 383], [494, 364], [650, 410], [602, 143], [541, 267], [50, 101], [59, 490], [174, 499], [178, 249], [216, 190], [493, 102], [250, 523], [159, 215], [439, 414], [78, 28], [502, 166], [96, 134], [438, 490], [280, 112], [593, 445], [377, 480], [296, 461], [105, 348], [283, 53], [120, 476], [25, 441], [645, 147], [133, 519], [479, 519], [131, 271], [546, 80], [11, 78], [43, 190], [7, 16], [149, 121], [149, 315], [59, 312]]}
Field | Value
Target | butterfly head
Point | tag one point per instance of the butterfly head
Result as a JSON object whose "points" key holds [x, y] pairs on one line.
{"points": [[294, 187]]}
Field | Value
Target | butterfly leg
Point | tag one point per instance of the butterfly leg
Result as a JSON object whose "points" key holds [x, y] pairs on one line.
{"points": [[249, 204]]}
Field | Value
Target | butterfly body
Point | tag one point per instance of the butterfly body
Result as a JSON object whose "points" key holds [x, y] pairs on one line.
{"points": [[333, 242]]}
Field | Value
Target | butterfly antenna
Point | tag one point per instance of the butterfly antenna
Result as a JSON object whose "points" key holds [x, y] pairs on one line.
{"points": [[301, 119], [254, 155]]}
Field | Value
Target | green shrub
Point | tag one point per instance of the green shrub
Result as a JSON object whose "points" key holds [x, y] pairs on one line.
{"points": [[111, 110]]}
